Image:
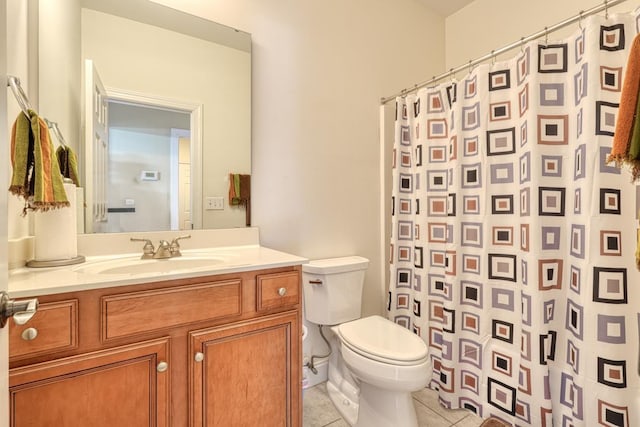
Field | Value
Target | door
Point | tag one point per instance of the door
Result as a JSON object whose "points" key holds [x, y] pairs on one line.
{"points": [[72, 391], [184, 183], [241, 376], [4, 183], [96, 150]]}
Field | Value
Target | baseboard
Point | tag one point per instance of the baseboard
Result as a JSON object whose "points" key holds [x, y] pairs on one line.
{"points": [[322, 375]]}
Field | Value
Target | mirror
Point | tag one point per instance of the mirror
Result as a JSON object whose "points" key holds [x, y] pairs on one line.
{"points": [[149, 55]]}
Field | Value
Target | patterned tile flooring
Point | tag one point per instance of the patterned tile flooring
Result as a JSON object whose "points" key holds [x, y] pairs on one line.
{"points": [[318, 411]]}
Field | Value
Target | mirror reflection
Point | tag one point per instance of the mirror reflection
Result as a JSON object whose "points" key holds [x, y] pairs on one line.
{"points": [[188, 80]]}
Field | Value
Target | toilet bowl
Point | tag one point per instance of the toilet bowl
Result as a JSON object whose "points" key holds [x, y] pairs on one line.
{"points": [[375, 364]]}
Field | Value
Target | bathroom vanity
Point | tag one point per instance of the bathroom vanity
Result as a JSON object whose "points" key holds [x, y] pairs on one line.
{"points": [[218, 346]]}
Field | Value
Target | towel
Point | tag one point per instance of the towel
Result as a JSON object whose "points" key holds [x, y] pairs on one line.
{"points": [[627, 112], [240, 193], [68, 163], [36, 174], [239, 188]]}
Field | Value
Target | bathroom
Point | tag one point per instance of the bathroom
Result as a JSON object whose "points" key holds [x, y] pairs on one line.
{"points": [[318, 73]]}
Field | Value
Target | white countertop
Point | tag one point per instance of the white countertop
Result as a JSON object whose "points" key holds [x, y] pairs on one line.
{"points": [[29, 282]]}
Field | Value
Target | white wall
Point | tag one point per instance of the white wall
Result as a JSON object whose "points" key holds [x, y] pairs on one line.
{"points": [[319, 70], [487, 25]]}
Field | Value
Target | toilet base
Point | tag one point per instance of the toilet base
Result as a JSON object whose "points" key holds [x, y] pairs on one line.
{"points": [[384, 408], [348, 408]]}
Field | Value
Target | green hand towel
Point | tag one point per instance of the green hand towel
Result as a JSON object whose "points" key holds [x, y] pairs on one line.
{"points": [[68, 163], [634, 144], [36, 173]]}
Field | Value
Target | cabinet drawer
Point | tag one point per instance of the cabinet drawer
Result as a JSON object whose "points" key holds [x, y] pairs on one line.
{"points": [[55, 326], [277, 290], [139, 312]]}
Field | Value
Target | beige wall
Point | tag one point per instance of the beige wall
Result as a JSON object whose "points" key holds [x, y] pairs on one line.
{"points": [[59, 66], [319, 70], [18, 63], [487, 25]]}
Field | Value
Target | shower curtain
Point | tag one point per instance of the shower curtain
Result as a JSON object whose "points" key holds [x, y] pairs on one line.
{"points": [[512, 249]]}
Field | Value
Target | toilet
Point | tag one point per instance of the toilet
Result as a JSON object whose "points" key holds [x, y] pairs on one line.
{"points": [[374, 364]]}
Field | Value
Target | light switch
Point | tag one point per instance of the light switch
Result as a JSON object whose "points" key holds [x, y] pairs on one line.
{"points": [[214, 203]]}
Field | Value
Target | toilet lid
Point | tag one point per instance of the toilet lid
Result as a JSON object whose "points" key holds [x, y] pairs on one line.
{"points": [[384, 339]]}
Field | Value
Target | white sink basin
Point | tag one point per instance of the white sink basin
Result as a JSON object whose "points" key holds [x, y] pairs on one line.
{"points": [[135, 265]]}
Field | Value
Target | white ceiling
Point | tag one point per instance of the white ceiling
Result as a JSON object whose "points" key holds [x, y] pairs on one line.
{"points": [[446, 7]]}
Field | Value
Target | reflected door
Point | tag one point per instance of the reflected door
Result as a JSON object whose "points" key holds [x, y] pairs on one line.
{"points": [[96, 149], [184, 183]]}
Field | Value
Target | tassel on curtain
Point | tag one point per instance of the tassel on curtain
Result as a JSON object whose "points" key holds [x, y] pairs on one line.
{"points": [[513, 240]]}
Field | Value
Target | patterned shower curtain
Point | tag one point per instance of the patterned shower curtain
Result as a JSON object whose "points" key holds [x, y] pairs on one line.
{"points": [[513, 242]]}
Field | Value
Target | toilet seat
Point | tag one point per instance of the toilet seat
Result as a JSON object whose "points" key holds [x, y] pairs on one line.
{"points": [[382, 340]]}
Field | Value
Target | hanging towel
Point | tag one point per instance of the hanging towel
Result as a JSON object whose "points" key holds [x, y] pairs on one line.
{"points": [[240, 193], [36, 174], [239, 188], [634, 140], [627, 112], [68, 163]]}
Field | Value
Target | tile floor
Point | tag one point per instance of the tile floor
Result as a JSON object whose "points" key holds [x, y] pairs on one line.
{"points": [[318, 411]]}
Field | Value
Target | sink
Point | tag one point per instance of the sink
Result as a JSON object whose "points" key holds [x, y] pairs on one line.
{"points": [[135, 265]]}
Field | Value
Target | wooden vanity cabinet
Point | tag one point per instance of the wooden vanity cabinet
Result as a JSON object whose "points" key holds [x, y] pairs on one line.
{"points": [[249, 362], [219, 350], [115, 387]]}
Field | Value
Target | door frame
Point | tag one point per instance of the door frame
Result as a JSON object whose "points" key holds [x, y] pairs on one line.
{"points": [[4, 254], [174, 159], [195, 112]]}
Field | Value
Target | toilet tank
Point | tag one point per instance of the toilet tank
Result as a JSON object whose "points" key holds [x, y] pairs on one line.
{"points": [[332, 289]]}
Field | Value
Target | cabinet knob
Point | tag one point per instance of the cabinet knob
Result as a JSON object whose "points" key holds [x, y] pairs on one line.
{"points": [[199, 357], [29, 334], [162, 366], [282, 291]]}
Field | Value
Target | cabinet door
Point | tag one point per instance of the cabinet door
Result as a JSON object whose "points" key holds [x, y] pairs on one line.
{"points": [[122, 386], [247, 374]]}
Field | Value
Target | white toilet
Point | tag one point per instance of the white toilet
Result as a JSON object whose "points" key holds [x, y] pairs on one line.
{"points": [[375, 364]]}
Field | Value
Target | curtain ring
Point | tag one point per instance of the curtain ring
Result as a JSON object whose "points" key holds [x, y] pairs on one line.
{"points": [[493, 57], [606, 9], [470, 67], [451, 75], [546, 36], [521, 44], [580, 20]]}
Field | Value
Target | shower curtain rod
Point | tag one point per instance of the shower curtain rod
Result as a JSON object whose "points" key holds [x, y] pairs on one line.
{"points": [[545, 32]]}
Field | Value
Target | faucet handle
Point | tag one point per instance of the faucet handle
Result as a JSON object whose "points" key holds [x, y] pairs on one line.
{"points": [[148, 249], [175, 246]]}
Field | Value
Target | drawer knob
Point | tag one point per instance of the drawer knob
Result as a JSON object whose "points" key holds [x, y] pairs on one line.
{"points": [[282, 291], [162, 366], [29, 334], [199, 357]]}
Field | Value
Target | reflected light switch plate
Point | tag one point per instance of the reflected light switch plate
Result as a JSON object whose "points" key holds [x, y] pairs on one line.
{"points": [[214, 203]]}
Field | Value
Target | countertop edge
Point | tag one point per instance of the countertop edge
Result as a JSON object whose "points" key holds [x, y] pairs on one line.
{"points": [[28, 283]]}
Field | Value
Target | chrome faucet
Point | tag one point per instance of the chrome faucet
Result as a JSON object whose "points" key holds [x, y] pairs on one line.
{"points": [[148, 251], [165, 249], [175, 246]]}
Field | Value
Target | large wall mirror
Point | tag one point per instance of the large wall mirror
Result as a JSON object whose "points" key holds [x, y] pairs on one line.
{"points": [[157, 104]]}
